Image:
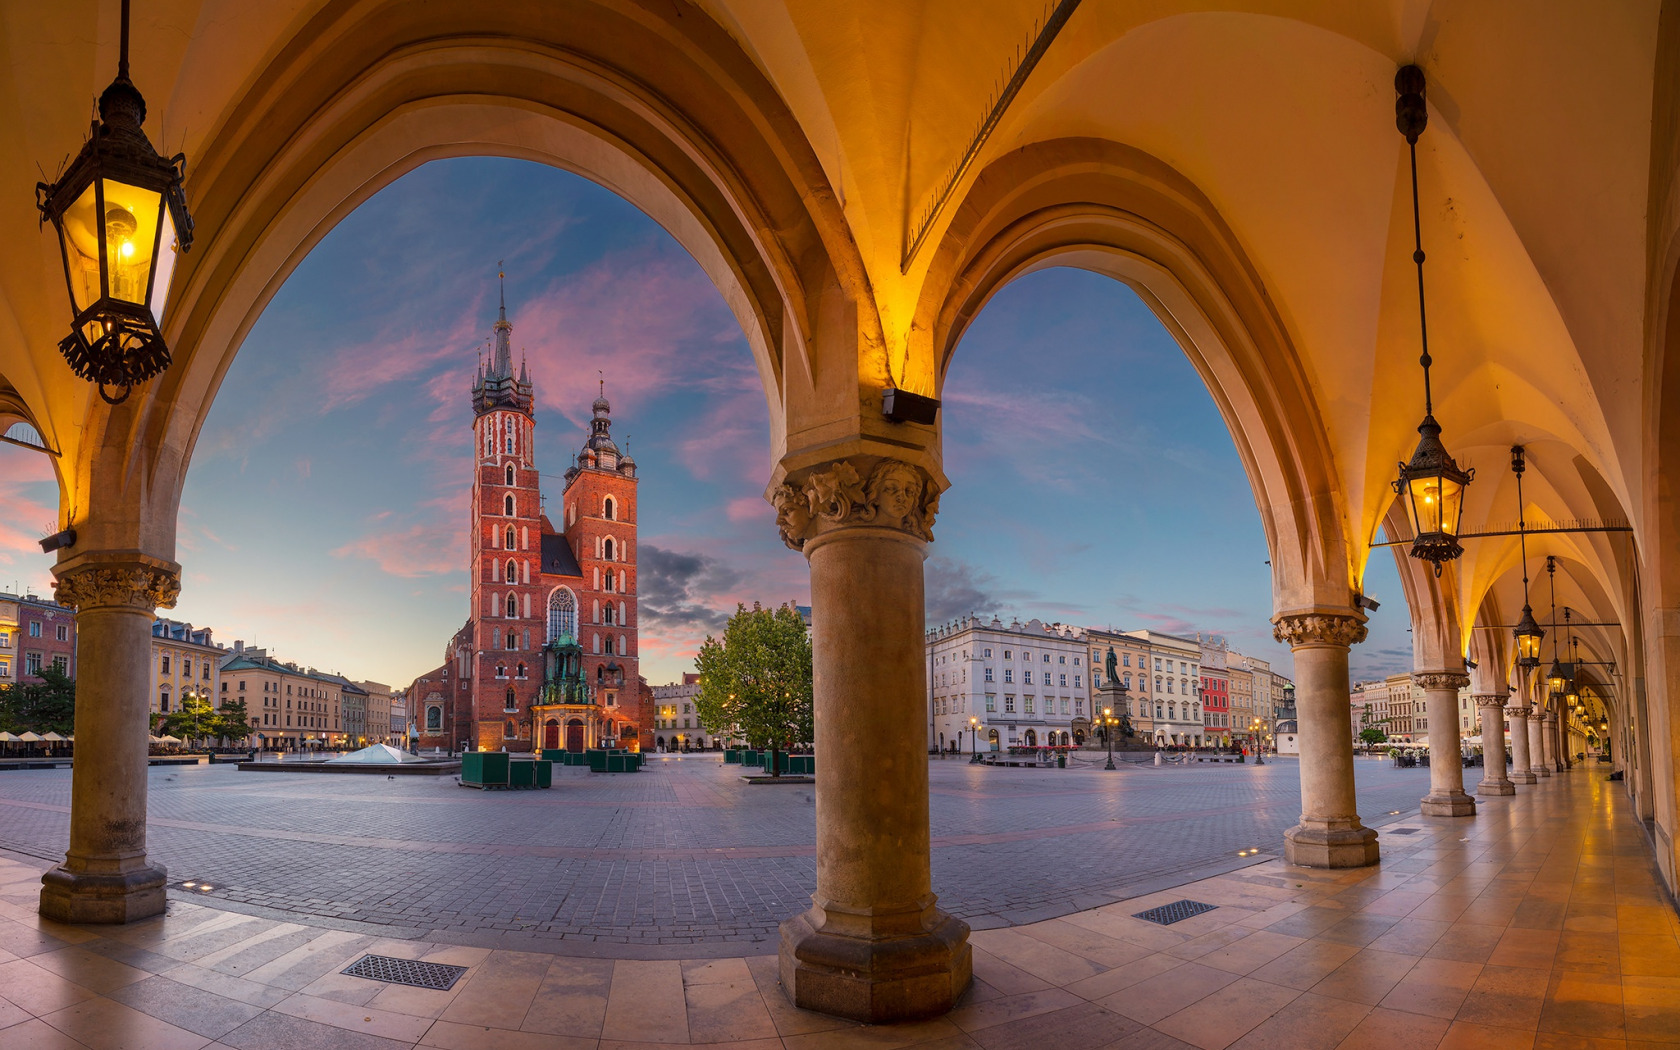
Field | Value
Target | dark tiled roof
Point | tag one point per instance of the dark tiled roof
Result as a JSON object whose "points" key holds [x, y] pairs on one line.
{"points": [[557, 557]]}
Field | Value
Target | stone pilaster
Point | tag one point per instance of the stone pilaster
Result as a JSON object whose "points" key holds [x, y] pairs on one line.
{"points": [[106, 877], [1554, 756], [1330, 834], [1490, 707], [1520, 771], [874, 946], [1447, 797]]}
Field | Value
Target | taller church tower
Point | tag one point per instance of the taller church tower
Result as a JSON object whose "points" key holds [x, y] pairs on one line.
{"points": [[508, 607]]}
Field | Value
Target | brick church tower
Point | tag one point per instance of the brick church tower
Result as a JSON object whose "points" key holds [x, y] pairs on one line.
{"points": [[548, 656]]}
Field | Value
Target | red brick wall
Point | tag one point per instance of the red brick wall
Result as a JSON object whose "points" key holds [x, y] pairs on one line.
{"points": [[586, 531]]}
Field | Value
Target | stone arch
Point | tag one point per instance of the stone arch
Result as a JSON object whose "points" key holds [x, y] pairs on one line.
{"points": [[1115, 210], [656, 104]]}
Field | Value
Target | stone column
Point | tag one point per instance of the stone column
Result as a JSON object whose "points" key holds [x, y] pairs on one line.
{"points": [[1518, 713], [1330, 834], [1554, 757], [1447, 797], [1491, 708], [873, 947], [105, 877], [1537, 745]]}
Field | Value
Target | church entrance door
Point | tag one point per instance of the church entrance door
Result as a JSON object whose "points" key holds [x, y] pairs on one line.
{"points": [[551, 735], [574, 735]]}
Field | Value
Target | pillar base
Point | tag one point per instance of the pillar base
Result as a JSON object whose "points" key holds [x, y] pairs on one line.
{"points": [[1451, 804], [1496, 787], [1540, 771], [103, 897], [1522, 778], [1344, 845], [879, 979]]}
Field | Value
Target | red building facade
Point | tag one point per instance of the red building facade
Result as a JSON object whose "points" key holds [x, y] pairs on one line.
{"points": [[548, 656]]}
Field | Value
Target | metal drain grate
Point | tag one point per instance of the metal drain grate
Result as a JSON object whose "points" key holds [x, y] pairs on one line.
{"points": [[1167, 914], [437, 976], [1403, 831]]}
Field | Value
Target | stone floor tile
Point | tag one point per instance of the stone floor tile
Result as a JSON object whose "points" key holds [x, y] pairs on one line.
{"points": [[1359, 930], [1048, 962], [354, 1018], [184, 1006], [1647, 954], [452, 1036], [1086, 943], [104, 1024], [1148, 1039], [876, 1037], [1111, 981], [1222, 1017], [1411, 936], [1464, 1035], [236, 988], [344, 988], [1366, 977], [1308, 1022], [1083, 1026], [1588, 952], [1166, 994], [972, 1017], [1436, 987], [500, 991], [1651, 1006], [1251, 952], [1506, 997], [1530, 949], [37, 990], [1011, 980], [645, 1002], [1466, 942], [1394, 1030], [272, 1031], [36, 1034], [11, 1013], [572, 999], [1306, 964], [1559, 1041], [724, 1005], [1584, 1004]]}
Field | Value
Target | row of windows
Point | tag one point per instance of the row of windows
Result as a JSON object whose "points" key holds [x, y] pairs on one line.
{"points": [[32, 665], [186, 667], [1027, 678], [62, 633], [1026, 654]]}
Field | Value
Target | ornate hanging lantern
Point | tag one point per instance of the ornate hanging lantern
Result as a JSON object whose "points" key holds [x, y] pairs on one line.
{"points": [[1556, 678], [121, 218], [1528, 633], [1431, 484]]}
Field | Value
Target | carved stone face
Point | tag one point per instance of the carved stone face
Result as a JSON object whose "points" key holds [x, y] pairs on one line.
{"points": [[897, 491], [793, 514]]}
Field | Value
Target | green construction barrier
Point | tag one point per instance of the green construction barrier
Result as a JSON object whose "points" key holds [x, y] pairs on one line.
{"points": [[554, 754], [597, 760], [802, 764], [484, 769], [545, 773], [732, 756], [522, 774]]}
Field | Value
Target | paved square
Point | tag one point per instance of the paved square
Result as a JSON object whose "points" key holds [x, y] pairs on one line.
{"points": [[683, 854]]}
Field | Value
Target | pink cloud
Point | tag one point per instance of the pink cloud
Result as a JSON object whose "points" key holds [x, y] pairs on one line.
{"points": [[395, 355], [28, 511], [749, 508], [433, 546]]}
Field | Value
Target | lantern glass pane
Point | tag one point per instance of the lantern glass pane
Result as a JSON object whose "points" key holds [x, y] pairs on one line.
{"points": [[167, 249], [80, 238], [131, 230], [1528, 646], [1435, 500]]}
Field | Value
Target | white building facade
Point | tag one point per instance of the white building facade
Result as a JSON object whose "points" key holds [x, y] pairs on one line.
{"points": [[993, 685]]}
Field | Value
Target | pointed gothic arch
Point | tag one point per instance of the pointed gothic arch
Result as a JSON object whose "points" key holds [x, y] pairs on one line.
{"points": [[562, 614]]}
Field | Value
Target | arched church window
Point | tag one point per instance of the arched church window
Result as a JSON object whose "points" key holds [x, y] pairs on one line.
{"points": [[607, 508], [520, 672], [510, 474], [434, 719], [507, 505], [607, 614], [607, 549], [512, 571], [512, 701], [562, 615], [513, 606], [512, 640], [509, 537]]}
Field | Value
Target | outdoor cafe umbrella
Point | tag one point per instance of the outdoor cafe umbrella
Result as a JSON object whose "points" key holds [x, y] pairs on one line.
{"points": [[154, 739], [52, 736], [170, 740], [29, 738]]}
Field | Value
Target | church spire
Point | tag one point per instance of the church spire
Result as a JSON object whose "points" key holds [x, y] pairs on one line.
{"points": [[502, 364]]}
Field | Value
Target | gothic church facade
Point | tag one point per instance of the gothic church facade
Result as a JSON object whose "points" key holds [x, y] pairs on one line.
{"points": [[548, 656]]}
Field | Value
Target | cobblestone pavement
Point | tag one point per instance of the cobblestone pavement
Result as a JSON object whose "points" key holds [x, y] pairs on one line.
{"points": [[682, 853]]}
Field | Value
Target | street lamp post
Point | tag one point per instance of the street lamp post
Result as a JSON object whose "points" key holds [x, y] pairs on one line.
{"points": [[1259, 748], [1108, 732], [973, 740]]}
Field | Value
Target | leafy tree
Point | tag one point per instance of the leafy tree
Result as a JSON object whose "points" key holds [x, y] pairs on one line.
{"points": [[755, 684], [233, 721], [193, 720], [39, 707], [1372, 735]]}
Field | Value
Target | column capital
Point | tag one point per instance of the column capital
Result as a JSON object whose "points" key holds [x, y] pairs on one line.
{"points": [[1490, 699], [134, 581], [1440, 679], [875, 491], [1338, 627]]}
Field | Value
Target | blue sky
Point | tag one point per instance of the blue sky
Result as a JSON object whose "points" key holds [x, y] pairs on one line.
{"points": [[325, 513]]}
